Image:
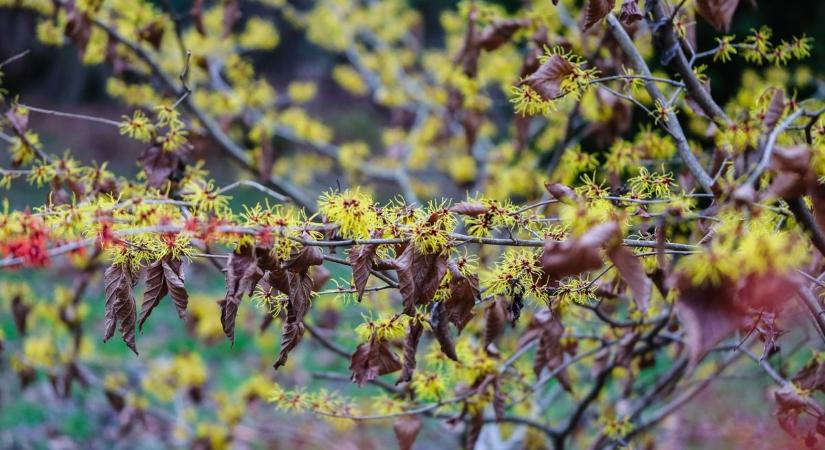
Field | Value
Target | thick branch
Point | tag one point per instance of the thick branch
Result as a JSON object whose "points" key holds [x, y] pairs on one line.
{"points": [[672, 123]]}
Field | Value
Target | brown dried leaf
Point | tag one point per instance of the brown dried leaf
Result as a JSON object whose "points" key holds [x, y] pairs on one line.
{"points": [[577, 255], [633, 273], [173, 272], [372, 359], [406, 429], [561, 192], [499, 32], [708, 313], [419, 276], [775, 109], [549, 352], [155, 290], [463, 294], [495, 316], [596, 10], [231, 15], [414, 331], [120, 310], [630, 13], [361, 258], [293, 332], [304, 258], [158, 164], [718, 13], [470, 209], [547, 80], [20, 312], [242, 275], [196, 12], [441, 330]]}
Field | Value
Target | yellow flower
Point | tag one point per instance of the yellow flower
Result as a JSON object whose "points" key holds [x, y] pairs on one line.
{"points": [[137, 127]]}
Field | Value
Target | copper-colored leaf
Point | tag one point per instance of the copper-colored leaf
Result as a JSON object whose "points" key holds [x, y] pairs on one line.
{"points": [[561, 192], [361, 257], [155, 290], [414, 331], [549, 352], [470, 209], [419, 276], [372, 359], [158, 164], [463, 294], [596, 10], [300, 293], [20, 312], [633, 273], [547, 80], [577, 255], [120, 310], [242, 275], [630, 13], [775, 109], [709, 314], [172, 271], [495, 317], [441, 330], [196, 12], [718, 13], [304, 258], [474, 426], [499, 32], [293, 332], [231, 15], [406, 429]]}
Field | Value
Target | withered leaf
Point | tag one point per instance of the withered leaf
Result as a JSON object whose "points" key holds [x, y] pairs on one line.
{"points": [[633, 273], [155, 290], [173, 272], [630, 13], [120, 310], [577, 255], [293, 332], [474, 426], [162, 277], [546, 81], [158, 164], [463, 294], [775, 109], [708, 312], [320, 276], [549, 352], [561, 192], [20, 312], [718, 13], [196, 12], [499, 32], [495, 316], [441, 330], [231, 15], [406, 429], [414, 331], [470, 209], [811, 377], [372, 359], [242, 275], [300, 293], [361, 258], [419, 276], [596, 10], [304, 258]]}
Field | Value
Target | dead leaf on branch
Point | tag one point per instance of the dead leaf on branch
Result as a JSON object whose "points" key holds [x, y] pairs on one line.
{"points": [[120, 311], [372, 359], [718, 13]]}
